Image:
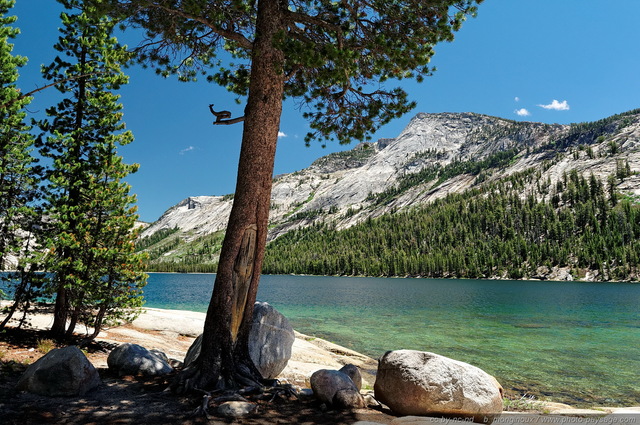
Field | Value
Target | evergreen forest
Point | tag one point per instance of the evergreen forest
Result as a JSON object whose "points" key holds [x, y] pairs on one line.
{"points": [[488, 232]]}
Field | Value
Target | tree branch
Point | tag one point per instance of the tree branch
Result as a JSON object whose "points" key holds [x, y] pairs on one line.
{"points": [[231, 35], [314, 20], [229, 121], [292, 73], [64, 80]]}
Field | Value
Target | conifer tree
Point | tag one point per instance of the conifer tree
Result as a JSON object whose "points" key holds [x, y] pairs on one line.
{"points": [[16, 180], [18, 172], [91, 213], [334, 57]]}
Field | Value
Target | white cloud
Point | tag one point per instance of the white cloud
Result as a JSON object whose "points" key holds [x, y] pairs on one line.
{"points": [[556, 106], [517, 99], [183, 151], [281, 134], [522, 112]]}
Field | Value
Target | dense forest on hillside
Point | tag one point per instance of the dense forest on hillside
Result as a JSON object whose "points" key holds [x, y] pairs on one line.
{"points": [[199, 255], [520, 226], [579, 223]]}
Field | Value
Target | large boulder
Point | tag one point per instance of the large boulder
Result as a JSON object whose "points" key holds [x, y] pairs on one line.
{"points": [[420, 383], [334, 387], [60, 372], [134, 359], [270, 340]]}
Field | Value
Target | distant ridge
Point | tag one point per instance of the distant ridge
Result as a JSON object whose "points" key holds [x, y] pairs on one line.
{"points": [[435, 155]]}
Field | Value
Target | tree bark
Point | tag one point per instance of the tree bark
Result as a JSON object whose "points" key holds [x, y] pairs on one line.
{"points": [[224, 360], [60, 313], [75, 314]]}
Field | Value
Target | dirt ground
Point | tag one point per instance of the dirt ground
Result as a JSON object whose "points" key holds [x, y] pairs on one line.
{"points": [[137, 400]]}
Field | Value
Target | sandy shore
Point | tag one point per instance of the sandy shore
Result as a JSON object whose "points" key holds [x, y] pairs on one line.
{"points": [[173, 332]]}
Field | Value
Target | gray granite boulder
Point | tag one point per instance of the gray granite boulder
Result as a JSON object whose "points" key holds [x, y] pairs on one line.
{"points": [[336, 388], [353, 372], [270, 341], [134, 359], [420, 383], [60, 372]]}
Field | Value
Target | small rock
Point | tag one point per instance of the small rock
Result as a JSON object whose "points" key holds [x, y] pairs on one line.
{"points": [[236, 409], [60, 372], [134, 359], [348, 398], [305, 393], [370, 400]]}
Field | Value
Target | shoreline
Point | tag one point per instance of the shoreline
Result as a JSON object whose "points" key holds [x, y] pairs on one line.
{"points": [[635, 280], [173, 332]]}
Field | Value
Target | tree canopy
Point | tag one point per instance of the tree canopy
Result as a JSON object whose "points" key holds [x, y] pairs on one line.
{"points": [[338, 56], [334, 58]]}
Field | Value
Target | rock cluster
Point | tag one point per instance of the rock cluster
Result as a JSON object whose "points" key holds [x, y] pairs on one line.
{"points": [[410, 383], [416, 383]]}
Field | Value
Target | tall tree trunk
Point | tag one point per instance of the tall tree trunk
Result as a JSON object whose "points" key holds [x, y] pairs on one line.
{"points": [[17, 299], [60, 312], [224, 360], [61, 308], [75, 314]]}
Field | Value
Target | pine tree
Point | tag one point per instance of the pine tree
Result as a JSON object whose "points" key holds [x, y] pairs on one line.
{"points": [[16, 177], [91, 214], [18, 172], [334, 58]]}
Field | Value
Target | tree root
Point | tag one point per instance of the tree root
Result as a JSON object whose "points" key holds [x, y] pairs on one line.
{"points": [[203, 409], [243, 381], [189, 380], [220, 384]]}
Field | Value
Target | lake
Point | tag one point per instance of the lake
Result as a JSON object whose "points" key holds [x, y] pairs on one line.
{"points": [[573, 342]]}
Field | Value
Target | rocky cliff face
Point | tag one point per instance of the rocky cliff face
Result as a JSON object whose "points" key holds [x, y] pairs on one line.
{"points": [[341, 187]]}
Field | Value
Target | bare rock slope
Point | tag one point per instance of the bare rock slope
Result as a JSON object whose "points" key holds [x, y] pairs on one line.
{"points": [[341, 188]]}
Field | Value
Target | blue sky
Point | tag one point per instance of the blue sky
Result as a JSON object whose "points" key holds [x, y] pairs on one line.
{"points": [[553, 61]]}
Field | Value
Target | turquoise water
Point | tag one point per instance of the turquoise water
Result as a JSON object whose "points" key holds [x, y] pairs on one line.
{"points": [[576, 342]]}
